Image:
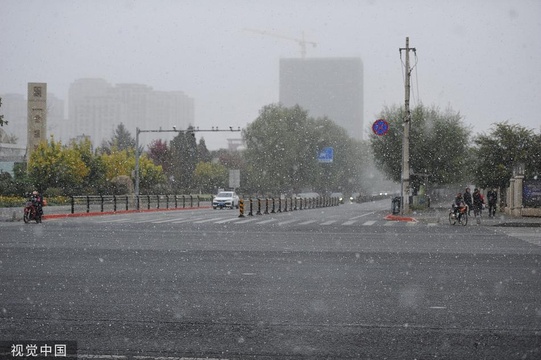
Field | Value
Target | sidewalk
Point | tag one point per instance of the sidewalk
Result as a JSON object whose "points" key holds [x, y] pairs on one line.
{"points": [[439, 213]]}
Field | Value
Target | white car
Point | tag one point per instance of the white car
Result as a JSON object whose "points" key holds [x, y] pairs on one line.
{"points": [[225, 199]]}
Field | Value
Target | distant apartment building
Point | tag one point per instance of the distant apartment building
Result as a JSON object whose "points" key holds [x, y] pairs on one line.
{"points": [[331, 87], [96, 108]]}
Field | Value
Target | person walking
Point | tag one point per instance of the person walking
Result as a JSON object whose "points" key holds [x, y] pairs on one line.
{"points": [[492, 198], [468, 200], [478, 202]]}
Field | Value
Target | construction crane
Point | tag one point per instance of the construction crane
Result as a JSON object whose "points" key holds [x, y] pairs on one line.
{"points": [[302, 42]]}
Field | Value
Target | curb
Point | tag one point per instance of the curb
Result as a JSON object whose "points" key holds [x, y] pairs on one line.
{"points": [[69, 215], [400, 218]]}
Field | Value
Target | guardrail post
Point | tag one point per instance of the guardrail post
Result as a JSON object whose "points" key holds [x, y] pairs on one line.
{"points": [[258, 207], [285, 204], [114, 203], [280, 204], [72, 204], [176, 202], [157, 201], [183, 201], [191, 201], [87, 204], [198, 201], [251, 205], [266, 205], [101, 203], [167, 201], [128, 203], [273, 211]]}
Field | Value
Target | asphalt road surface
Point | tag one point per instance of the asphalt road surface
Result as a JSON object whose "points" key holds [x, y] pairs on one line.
{"points": [[331, 283]]}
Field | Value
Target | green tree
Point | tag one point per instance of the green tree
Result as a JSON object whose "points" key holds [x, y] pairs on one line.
{"points": [[209, 176], [95, 182], [184, 160], [505, 146], [53, 165], [438, 146], [282, 148], [203, 153], [121, 140]]}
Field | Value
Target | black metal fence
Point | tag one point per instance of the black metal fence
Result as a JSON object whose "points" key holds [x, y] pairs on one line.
{"points": [[114, 203], [252, 205], [270, 205]]}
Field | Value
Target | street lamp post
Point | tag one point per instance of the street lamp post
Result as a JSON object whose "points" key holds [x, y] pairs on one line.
{"points": [[137, 154]]}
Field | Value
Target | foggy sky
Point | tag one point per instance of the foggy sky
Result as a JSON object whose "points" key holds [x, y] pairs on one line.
{"points": [[481, 58]]}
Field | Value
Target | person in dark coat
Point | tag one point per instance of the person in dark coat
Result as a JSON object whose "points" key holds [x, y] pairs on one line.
{"points": [[478, 201], [468, 200], [492, 198]]}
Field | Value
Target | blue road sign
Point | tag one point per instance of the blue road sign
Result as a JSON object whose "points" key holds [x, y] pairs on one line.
{"points": [[380, 127], [326, 155]]}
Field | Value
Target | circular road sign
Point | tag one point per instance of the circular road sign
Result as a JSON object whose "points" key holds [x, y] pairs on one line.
{"points": [[380, 127]]}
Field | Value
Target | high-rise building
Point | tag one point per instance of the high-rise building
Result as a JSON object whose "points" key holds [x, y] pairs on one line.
{"points": [[14, 108], [96, 108], [331, 87]]}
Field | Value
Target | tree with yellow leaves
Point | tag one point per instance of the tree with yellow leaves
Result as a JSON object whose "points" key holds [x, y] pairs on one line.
{"points": [[52, 165]]}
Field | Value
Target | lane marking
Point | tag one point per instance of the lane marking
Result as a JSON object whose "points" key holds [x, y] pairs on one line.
{"points": [[328, 222], [369, 223]]}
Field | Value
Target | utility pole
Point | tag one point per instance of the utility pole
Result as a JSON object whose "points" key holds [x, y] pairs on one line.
{"points": [[405, 183]]}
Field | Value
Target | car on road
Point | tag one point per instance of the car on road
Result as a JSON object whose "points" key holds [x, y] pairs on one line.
{"points": [[225, 199]]}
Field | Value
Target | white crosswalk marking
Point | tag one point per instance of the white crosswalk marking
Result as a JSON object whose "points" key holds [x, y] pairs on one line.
{"points": [[219, 219], [207, 220], [266, 221], [245, 221], [287, 222], [227, 220], [307, 222]]}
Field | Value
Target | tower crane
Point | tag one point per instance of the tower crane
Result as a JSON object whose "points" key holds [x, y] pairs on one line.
{"points": [[302, 42]]}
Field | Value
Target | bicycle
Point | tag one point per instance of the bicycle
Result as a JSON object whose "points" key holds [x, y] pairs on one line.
{"points": [[461, 217]]}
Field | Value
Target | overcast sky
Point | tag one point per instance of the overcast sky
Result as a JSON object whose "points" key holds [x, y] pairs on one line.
{"points": [[482, 58]]}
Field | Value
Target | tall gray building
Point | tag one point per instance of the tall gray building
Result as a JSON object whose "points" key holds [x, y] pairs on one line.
{"points": [[96, 108], [331, 87]]}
